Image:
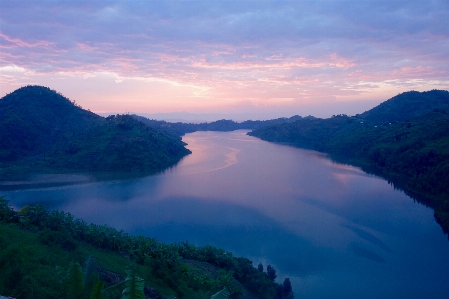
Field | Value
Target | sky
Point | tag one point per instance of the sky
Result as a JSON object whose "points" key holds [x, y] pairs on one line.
{"points": [[240, 59]]}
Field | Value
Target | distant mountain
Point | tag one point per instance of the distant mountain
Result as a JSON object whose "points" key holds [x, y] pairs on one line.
{"points": [[405, 139], [198, 118], [179, 128], [42, 130]]}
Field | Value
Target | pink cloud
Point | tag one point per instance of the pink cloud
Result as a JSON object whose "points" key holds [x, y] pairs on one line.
{"points": [[280, 63], [211, 57], [20, 43], [418, 72], [86, 47]]}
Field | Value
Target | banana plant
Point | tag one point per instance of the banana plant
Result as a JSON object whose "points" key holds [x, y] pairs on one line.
{"points": [[84, 284], [133, 286], [98, 291], [75, 281], [223, 294]]}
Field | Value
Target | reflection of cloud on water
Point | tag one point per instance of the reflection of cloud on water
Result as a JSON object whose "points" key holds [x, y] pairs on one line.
{"points": [[209, 156], [366, 253], [242, 230], [349, 171], [368, 237], [248, 139], [349, 168], [343, 178], [230, 158]]}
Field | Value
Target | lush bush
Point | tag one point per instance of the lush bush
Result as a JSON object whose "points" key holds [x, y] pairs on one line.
{"points": [[163, 262]]}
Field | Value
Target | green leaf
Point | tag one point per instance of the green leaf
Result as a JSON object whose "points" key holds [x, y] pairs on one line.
{"points": [[75, 281], [98, 291], [134, 287], [114, 290], [88, 268], [223, 294], [91, 277]]}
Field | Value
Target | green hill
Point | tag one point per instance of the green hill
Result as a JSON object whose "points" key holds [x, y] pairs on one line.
{"points": [[33, 118], [408, 105], [38, 247], [41, 130], [405, 140]]}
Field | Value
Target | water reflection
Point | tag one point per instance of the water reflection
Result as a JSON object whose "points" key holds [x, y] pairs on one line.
{"points": [[336, 231], [368, 237]]}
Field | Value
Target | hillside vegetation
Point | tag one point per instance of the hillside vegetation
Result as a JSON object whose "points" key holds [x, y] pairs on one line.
{"points": [[41, 250], [41, 130], [405, 140], [179, 128]]}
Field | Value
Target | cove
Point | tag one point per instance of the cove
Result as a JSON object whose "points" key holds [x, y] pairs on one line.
{"points": [[334, 230]]}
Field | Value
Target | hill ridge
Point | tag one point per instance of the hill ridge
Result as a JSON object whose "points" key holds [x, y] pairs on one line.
{"points": [[42, 130], [408, 105]]}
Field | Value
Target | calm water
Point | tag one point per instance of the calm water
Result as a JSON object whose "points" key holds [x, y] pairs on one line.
{"points": [[336, 231]]}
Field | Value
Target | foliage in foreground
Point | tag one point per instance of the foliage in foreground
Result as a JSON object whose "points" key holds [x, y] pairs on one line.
{"points": [[34, 242], [85, 284]]}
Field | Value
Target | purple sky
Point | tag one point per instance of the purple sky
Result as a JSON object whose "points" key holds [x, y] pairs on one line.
{"points": [[260, 59]]}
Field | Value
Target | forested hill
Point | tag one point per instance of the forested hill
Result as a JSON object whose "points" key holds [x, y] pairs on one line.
{"points": [[408, 105], [41, 130], [405, 139]]}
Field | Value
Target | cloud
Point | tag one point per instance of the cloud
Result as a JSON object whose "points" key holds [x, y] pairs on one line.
{"points": [[15, 42], [232, 51]]}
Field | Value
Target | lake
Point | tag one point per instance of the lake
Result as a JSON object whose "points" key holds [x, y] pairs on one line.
{"points": [[334, 230]]}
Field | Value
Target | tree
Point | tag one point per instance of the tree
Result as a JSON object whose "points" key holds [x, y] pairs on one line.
{"points": [[279, 291], [288, 292], [260, 267], [271, 272]]}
